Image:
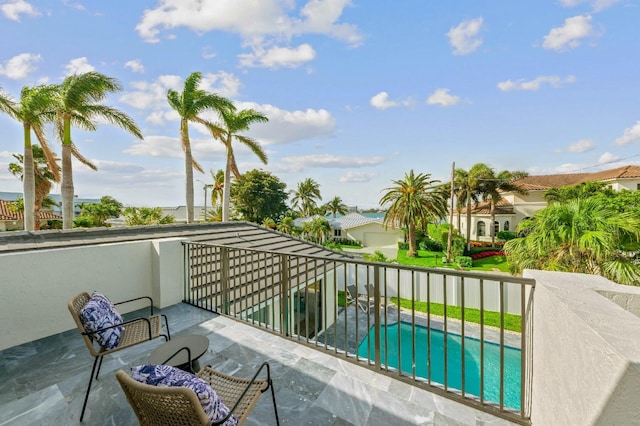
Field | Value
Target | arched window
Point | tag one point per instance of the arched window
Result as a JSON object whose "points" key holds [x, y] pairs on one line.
{"points": [[481, 230], [506, 225]]}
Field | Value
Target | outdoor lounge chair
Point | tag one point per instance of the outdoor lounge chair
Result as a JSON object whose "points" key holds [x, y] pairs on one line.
{"points": [[160, 405], [361, 299], [135, 331]]}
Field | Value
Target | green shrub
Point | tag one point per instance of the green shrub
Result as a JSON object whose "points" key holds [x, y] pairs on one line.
{"points": [[403, 246], [506, 235], [429, 244], [83, 222], [464, 261], [347, 242]]}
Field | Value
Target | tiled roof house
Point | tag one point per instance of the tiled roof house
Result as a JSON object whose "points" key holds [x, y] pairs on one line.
{"points": [[514, 207], [12, 220]]}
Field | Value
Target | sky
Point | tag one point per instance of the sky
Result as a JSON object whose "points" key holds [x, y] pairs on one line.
{"points": [[357, 93]]}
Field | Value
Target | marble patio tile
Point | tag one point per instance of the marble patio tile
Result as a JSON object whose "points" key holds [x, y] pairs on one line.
{"points": [[348, 398]]}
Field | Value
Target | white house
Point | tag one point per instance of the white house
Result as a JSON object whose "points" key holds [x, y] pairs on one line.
{"points": [[369, 231], [513, 208]]}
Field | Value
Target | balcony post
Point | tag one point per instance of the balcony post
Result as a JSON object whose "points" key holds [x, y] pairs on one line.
{"points": [[224, 278], [284, 294], [376, 316]]}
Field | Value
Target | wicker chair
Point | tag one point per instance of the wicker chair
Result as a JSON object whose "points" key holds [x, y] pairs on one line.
{"points": [[155, 405], [138, 330]]}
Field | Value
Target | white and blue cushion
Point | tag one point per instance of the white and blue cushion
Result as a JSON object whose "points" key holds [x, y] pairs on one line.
{"points": [[99, 313], [167, 376]]}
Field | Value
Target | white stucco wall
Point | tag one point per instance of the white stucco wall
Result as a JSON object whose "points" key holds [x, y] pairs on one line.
{"points": [[374, 232], [36, 285], [586, 351]]}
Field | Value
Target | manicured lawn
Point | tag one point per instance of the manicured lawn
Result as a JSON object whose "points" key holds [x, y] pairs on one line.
{"points": [[511, 322], [430, 259]]}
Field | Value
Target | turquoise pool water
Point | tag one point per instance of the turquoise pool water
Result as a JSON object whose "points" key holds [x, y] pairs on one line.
{"points": [[454, 361]]}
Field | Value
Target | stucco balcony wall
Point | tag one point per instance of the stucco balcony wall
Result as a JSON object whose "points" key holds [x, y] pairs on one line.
{"points": [[586, 351]]}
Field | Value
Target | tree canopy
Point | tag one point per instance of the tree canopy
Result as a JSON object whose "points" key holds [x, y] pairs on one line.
{"points": [[258, 195]]}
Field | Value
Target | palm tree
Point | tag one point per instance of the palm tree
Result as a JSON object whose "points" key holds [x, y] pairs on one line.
{"points": [[36, 108], [79, 105], [286, 225], [232, 123], [491, 185], [318, 228], [415, 199], [217, 187], [7, 105], [190, 104], [306, 196], [43, 178], [336, 206], [580, 235]]}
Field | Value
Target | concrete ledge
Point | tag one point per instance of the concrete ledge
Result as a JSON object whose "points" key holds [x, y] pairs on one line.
{"points": [[586, 350]]}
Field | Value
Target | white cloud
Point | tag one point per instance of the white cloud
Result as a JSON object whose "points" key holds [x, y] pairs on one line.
{"points": [[631, 134], [79, 66], [290, 126], [607, 158], [353, 177], [553, 81], [170, 147], [381, 101], [12, 9], [135, 66], [597, 5], [19, 66], [464, 38], [278, 57], [223, 83], [569, 35], [442, 97], [302, 162], [583, 145]]}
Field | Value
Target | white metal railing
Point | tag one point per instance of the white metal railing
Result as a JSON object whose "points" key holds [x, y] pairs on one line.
{"points": [[458, 345]]}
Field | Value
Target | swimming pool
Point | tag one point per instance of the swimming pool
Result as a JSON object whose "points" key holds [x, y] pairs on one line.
{"points": [[454, 347]]}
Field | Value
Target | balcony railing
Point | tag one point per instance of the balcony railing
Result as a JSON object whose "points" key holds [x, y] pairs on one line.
{"points": [[466, 336]]}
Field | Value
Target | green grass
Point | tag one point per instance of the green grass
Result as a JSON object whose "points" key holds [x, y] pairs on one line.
{"points": [[342, 298], [431, 259], [511, 322]]}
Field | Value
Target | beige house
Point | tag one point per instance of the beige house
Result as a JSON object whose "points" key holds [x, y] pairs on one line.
{"points": [[369, 231], [513, 208], [11, 220]]}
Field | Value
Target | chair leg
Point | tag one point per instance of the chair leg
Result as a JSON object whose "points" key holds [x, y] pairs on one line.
{"points": [[275, 406], [99, 367], [86, 397]]}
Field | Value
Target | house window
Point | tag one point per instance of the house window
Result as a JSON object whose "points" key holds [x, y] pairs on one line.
{"points": [[496, 227], [638, 186], [506, 225], [337, 233], [481, 229]]}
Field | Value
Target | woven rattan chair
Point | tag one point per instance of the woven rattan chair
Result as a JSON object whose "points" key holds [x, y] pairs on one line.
{"points": [[158, 406], [138, 330]]}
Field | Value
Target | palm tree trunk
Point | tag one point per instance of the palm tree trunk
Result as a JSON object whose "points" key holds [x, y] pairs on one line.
{"points": [[28, 182], [468, 221], [226, 188], [188, 166], [66, 187], [412, 241], [493, 223]]}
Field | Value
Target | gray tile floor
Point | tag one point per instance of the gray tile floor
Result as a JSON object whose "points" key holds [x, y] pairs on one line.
{"points": [[43, 382]]}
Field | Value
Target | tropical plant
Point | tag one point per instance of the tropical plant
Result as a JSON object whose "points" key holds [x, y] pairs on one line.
{"points": [[190, 104], [466, 191], [146, 216], [79, 105], [318, 229], [98, 213], [36, 108], [413, 200], [258, 195], [582, 190], [7, 105], [306, 196], [580, 235], [43, 177], [336, 206], [492, 185], [232, 123], [217, 187], [376, 256], [286, 225]]}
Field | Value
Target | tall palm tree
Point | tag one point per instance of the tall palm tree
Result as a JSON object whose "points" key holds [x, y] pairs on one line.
{"points": [[232, 123], [7, 105], [492, 185], [413, 200], [36, 108], [43, 177], [190, 104], [306, 197], [336, 206], [581, 235], [80, 105]]}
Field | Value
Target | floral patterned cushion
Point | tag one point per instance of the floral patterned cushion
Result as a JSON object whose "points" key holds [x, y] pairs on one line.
{"points": [[167, 376], [99, 313]]}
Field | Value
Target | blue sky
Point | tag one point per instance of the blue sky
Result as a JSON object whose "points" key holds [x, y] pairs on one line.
{"points": [[357, 92]]}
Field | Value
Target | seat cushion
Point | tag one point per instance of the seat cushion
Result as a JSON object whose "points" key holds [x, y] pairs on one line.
{"points": [[99, 313], [167, 376]]}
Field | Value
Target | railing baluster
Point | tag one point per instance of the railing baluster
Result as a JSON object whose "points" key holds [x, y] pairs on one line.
{"points": [[462, 351]]}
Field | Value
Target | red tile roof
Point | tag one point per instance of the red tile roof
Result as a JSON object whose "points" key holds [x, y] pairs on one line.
{"points": [[484, 207], [6, 213], [543, 182]]}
